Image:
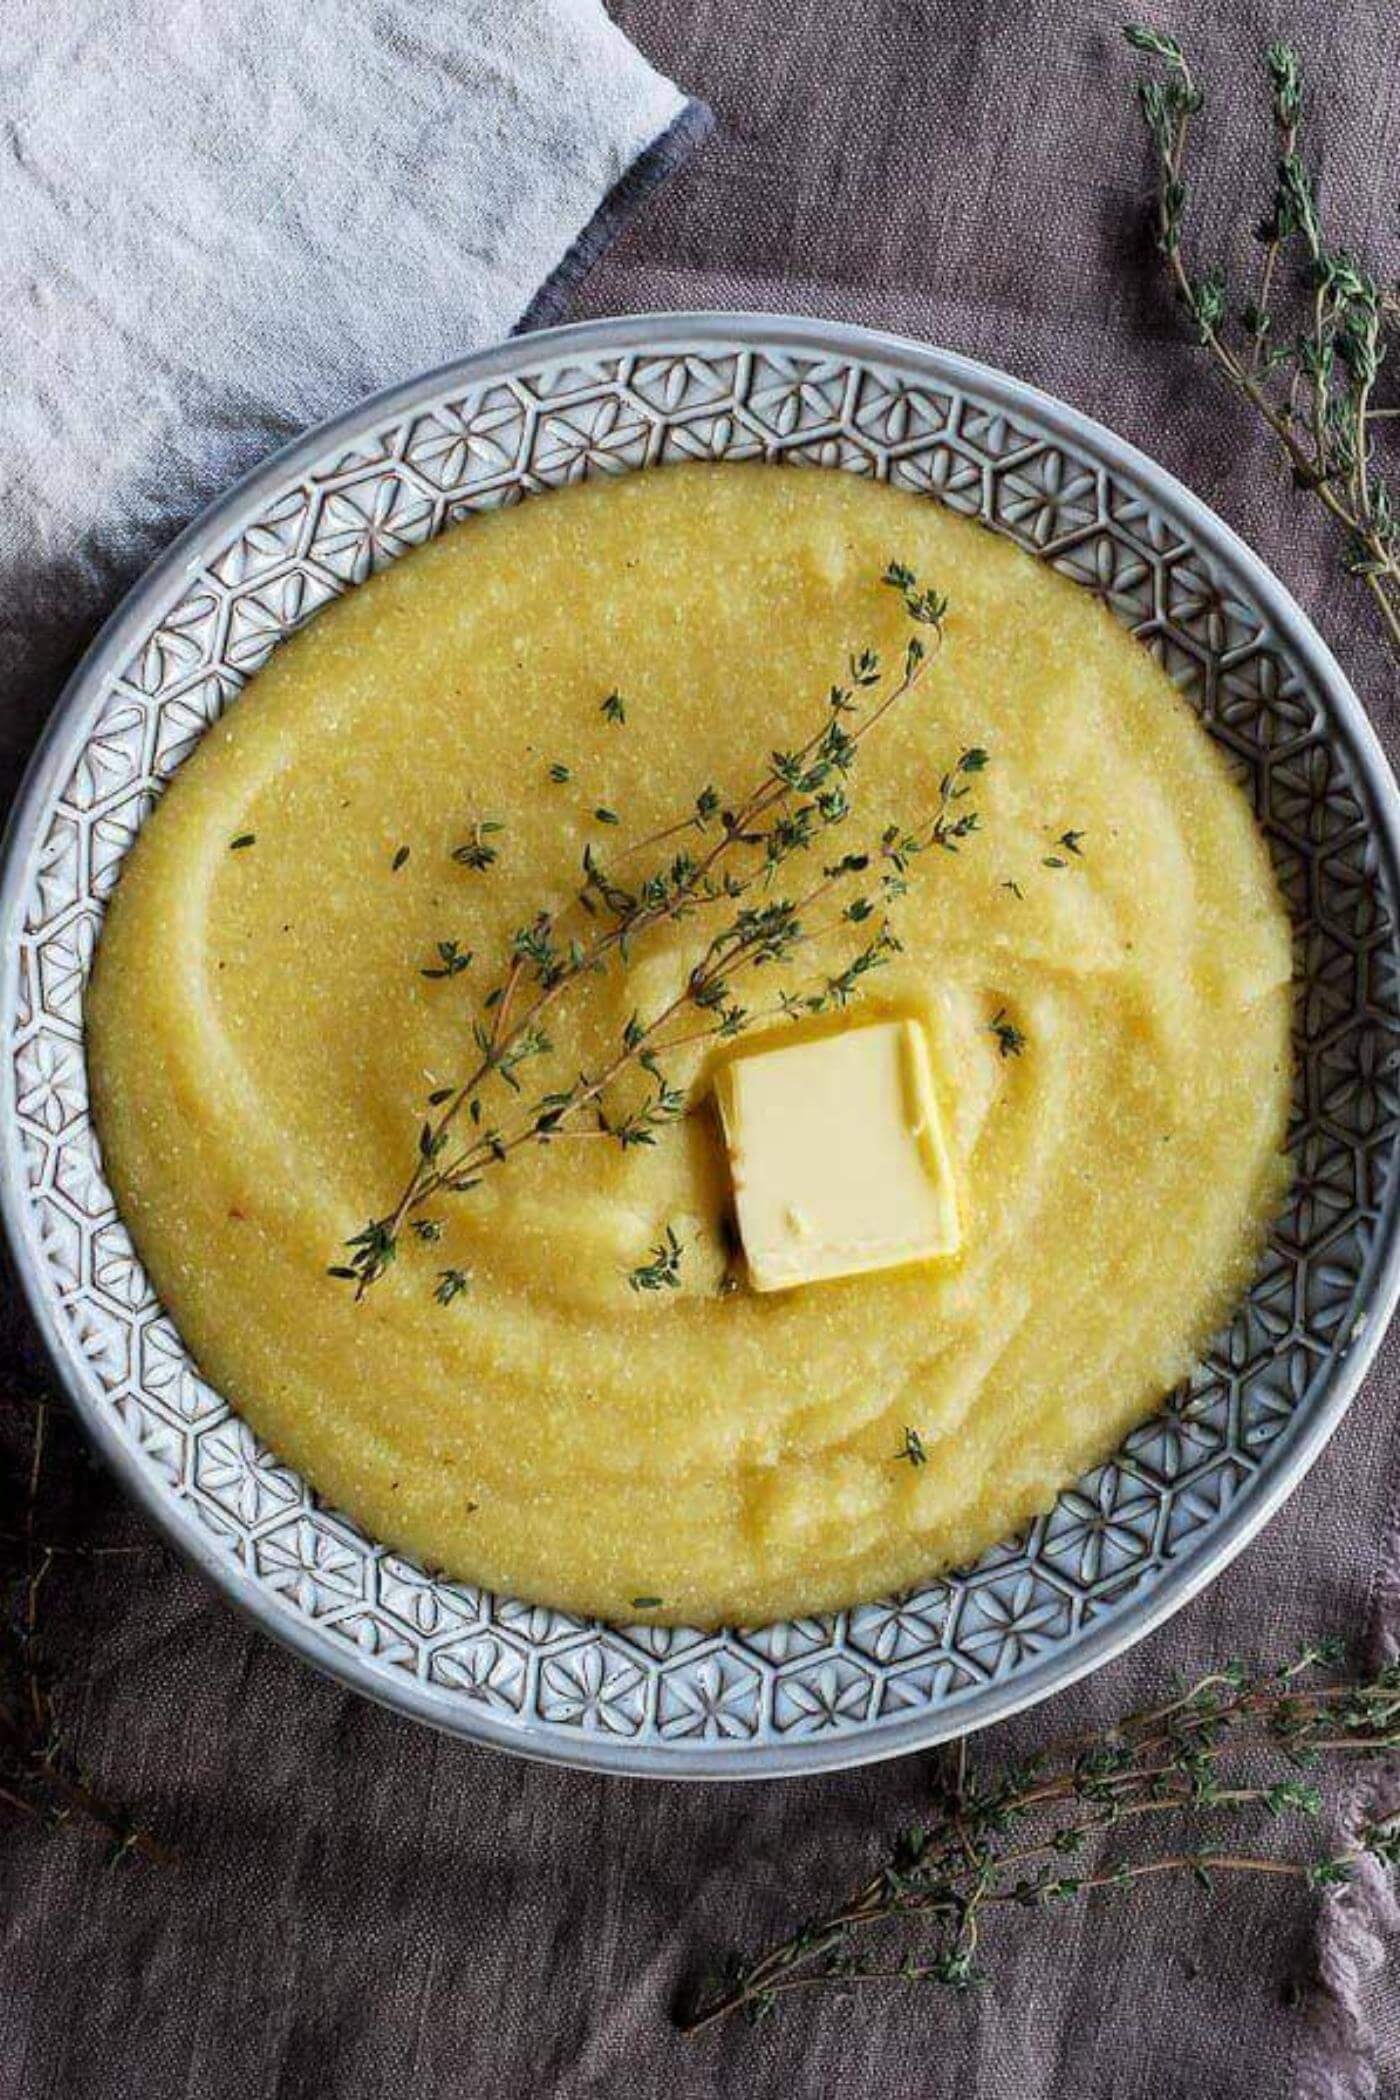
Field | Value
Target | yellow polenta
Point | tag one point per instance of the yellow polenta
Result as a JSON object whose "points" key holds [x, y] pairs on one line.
{"points": [[262, 1039]]}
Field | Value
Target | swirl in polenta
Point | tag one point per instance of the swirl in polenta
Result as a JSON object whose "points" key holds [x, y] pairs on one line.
{"points": [[1095, 983]]}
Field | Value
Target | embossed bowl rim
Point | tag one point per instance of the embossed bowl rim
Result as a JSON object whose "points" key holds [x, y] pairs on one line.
{"points": [[62, 738]]}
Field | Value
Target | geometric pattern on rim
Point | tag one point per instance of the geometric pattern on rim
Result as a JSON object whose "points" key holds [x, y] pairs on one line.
{"points": [[545, 1682]]}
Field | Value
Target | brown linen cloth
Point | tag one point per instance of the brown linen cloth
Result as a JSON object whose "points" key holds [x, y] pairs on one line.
{"points": [[366, 1911]]}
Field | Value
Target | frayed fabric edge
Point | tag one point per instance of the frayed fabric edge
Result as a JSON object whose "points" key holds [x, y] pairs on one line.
{"points": [[1337, 2058]]}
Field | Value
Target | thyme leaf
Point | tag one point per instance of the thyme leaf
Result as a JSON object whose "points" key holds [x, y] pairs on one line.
{"points": [[477, 852], [452, 959], [663, 1271], [1010, 1041], [912, 1449]]}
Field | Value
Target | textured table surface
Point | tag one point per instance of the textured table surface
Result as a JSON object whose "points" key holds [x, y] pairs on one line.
{"points": [[363, 1910]]}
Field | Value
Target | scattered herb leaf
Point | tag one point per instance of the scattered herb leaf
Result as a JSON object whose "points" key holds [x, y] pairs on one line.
{"points": [[451, 962], [1010, 1041], [477, 853], [663, 1271], [912, 1449]]}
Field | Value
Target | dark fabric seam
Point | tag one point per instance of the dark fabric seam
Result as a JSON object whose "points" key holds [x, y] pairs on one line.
{"points": [[653, 167]]}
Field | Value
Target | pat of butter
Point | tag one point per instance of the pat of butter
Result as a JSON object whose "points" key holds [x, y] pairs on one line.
{"points": [[837, 1155]]}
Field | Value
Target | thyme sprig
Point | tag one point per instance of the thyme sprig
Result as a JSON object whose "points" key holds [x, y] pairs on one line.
{"points": [[1309, 364], [1030, 1835], [725, 856], [43, 1777]]}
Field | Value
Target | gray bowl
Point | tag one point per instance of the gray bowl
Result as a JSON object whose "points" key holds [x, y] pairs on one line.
{"points": [[1131, 1541]]}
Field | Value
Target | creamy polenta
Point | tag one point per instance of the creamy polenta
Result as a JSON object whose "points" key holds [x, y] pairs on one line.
{"points": [[1102, 970]]}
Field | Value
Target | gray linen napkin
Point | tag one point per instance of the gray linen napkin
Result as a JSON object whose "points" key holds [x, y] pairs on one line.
{"points": [[221, 220]]}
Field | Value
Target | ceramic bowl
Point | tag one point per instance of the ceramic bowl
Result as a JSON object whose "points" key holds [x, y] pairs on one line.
{"points": [[1127, 1544]]}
